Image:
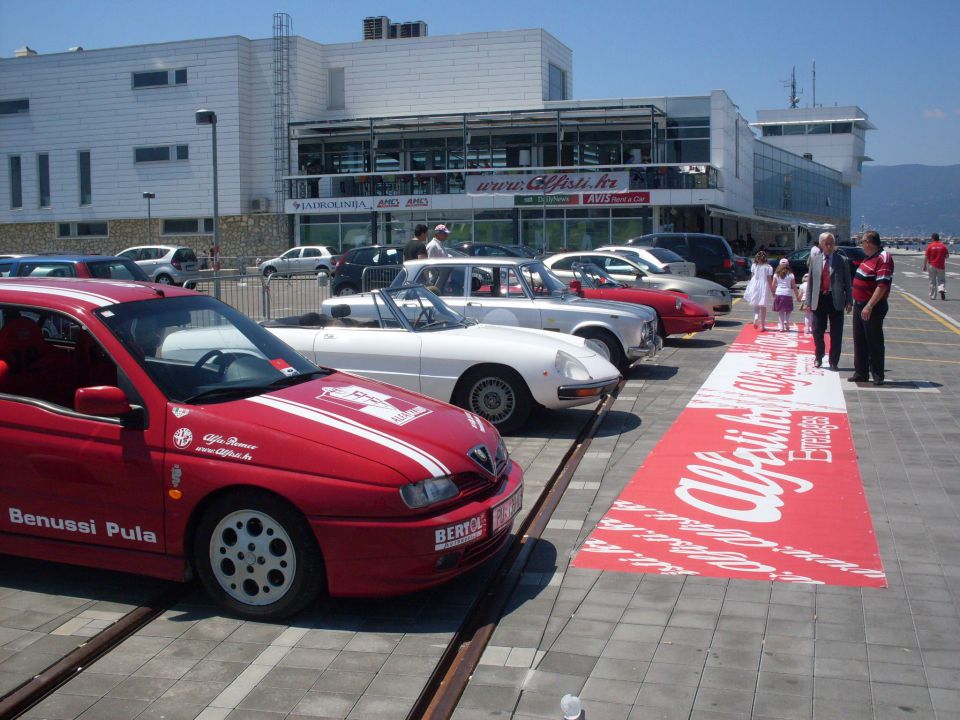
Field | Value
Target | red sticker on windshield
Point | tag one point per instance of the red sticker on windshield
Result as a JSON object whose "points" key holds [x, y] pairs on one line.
{"points": [[283, 366]]}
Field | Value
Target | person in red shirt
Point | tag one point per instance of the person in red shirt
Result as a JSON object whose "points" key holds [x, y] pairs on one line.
{"points": [[871, 286], [935, 265]]}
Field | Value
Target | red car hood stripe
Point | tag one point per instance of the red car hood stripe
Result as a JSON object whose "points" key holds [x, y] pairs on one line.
{"points": [[428, 462]]}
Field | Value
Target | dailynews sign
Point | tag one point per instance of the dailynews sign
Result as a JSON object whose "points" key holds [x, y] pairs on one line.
{"points": [[612, 182]]}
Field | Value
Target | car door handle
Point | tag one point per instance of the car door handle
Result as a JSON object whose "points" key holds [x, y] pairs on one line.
{"points": [[474, 304]]}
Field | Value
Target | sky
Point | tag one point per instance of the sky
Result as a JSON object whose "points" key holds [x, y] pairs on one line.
{"points": [[897, 61]]}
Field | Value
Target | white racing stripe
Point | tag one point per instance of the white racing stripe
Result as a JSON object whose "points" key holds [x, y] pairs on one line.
{"points": [[429, 463], [98, 300]]}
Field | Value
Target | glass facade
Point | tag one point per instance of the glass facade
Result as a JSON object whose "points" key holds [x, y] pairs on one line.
{"points": [[786, 182]]}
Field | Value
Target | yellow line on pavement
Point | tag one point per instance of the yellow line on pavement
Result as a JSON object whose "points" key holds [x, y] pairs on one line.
{"points": [[913, 329], [898, 341], [926, 310]]}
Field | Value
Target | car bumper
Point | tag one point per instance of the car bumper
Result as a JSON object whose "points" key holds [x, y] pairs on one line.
{"points": [[647, 351], [586, 392], [376, 558], [684, 325]]}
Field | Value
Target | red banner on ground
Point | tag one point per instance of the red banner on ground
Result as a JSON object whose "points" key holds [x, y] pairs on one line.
{"points": [[757, 479]]}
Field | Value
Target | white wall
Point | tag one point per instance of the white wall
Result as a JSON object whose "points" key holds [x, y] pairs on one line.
{"points": [[731, 150]]}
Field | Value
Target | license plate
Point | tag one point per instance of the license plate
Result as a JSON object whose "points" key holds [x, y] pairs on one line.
{"points": [[504, 512]]}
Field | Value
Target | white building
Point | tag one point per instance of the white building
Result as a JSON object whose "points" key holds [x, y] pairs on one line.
{"points": [[350, 143]]}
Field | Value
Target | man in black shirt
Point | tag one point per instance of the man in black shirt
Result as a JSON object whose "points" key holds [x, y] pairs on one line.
{"points": [[417, 247]]}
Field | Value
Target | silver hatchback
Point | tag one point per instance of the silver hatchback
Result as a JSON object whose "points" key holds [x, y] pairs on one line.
{"points": [[166, 264]]}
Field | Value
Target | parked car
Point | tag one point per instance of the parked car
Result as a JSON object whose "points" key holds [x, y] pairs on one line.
{"points": [[165, 264], [710, 253], [712, 296], [522, 292], [662, 259], [366, 267], [498, 373], [168, 434], [305, 258], [676, 313], [798, 260], [72, 265], [493, 249]]}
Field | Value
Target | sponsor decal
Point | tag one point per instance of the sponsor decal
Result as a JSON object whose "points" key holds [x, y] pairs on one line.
{"points": [[225, 447], [283, 366], [182, 438], [547, 184], [370, 402], [80, 527], [459, 533], [626, 198], [474, 421], [418, 202], [388, 203], [179, 412], [770, 490], [175, 475]]}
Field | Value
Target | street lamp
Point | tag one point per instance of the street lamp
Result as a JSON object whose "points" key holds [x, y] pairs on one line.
{"points": [[543, 194], [209, 117], [148, 196]]}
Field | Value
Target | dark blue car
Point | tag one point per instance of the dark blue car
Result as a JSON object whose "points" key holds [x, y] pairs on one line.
{"points": [[72, 265]]}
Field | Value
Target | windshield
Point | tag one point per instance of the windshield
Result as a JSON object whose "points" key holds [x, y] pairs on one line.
{"points": [[197, 348], [118, 269], [664, 254], [593, 276], [541, 280], [637, 259], [417, 308]]}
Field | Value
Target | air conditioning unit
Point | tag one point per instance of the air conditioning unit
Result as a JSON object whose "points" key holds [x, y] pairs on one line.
{"points": [[260, 205]]}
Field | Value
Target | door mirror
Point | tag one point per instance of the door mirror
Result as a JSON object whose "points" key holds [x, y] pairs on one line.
{"points": [[576, 286], [102, 400]]}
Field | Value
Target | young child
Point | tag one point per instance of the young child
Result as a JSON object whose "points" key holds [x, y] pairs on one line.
{"points": [[758, 292], [807, 312], [784, 289]]}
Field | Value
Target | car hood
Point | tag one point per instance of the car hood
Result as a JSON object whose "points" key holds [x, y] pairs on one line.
{"points": [[608, 307], [529, 337], [339, 426], [695, 285]]}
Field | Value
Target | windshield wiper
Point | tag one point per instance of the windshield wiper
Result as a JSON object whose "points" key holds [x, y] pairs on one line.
{"points": [[288, 380], [226, 393]]}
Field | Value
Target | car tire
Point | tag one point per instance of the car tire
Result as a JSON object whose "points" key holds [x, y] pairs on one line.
{"points": [[322, 268], [268, 271], [347, 289], [164, 279], [283, 570], [606, 338], [497, 394]]}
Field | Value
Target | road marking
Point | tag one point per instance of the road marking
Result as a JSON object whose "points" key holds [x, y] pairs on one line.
{"points": [[945, 320]]}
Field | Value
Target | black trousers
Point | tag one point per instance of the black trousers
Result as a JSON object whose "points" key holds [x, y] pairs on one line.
{"points": [[868, 345], [827, 312]]}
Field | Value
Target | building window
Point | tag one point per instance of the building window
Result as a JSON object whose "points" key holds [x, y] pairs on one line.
{"points": [[83, 166], [186, 226], [16, 188], [82, 229], [772, 130], [841, 128], [818, 129], [159, 78], [799, 129], [335, 89], [14, 107], [161, 153], [43, 179], [556, 83]]}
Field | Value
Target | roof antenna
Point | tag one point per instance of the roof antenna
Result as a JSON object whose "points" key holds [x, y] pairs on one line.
{"points": [[814, 82], [792, 84]]}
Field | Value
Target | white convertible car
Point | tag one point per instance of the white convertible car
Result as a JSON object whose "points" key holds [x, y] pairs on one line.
{"points": [[407, 336]]}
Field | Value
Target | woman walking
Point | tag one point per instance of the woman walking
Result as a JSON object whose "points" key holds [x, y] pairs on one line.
{"points": [[758, 292]]}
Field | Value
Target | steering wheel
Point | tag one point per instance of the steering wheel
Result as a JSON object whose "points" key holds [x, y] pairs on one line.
{"points": [[426, 315]]}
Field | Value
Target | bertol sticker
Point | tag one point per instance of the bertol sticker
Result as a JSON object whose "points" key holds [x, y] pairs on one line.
{"points": [[370, 402]]}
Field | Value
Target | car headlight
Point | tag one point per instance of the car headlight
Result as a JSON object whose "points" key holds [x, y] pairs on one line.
{"points": [[677, 304], [715, 293], [569, 367], [427, 492]]}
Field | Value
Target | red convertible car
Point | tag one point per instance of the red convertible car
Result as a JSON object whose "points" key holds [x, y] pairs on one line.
{"points": [[676, 314], [156, 430]]}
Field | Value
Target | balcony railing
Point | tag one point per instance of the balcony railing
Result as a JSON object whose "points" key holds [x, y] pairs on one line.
{"points": [[452, 182]]}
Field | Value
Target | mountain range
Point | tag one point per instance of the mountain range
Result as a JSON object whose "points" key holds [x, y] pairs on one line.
{"points": [[908, 200]]}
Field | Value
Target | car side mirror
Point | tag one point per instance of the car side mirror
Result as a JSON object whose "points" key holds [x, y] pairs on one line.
{"points": [[105, 401], [576, 286], [339, 311]]}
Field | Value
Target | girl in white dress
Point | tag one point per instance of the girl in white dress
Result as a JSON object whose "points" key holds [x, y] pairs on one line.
{"points": [[758, 292], [807, 312]]}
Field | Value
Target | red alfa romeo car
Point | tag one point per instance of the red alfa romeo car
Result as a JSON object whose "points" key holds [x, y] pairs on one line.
{"points": [[676, 314], [155, 430]]}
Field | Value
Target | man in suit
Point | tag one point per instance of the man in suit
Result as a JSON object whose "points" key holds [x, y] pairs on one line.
{"points": [[829, 295]]}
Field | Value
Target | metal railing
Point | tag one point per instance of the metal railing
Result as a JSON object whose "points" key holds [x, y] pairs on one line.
{"points": [[265, 298]]}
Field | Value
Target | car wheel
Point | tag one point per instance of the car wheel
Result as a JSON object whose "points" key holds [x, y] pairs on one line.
{"points": [[322, 268], [497, 394], [164, 279], [614, 353], [256, 555], [347, 289], [268, 271]]}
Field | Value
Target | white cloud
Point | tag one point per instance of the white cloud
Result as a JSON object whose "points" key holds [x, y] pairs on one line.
{"points": [[934, 114]]}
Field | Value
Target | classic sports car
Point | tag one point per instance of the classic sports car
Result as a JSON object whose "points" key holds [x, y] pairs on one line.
{"points": [[676, 314], [522, 292], [130, 443], [711, 295], [496, 372]]}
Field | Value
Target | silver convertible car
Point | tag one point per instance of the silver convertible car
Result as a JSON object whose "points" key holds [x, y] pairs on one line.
{"points": [[522, 292], [407, 336]]}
